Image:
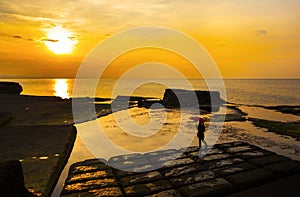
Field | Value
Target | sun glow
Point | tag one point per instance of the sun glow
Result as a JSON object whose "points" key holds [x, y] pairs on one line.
{"points": [[60, 40], [61, 88]]}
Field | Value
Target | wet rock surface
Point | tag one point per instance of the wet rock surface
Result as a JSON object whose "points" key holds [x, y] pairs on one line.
{"points": [[228, 168], [5, 118], [48, 110]]}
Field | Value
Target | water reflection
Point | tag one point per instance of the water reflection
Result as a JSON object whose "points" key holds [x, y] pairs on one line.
{"points": [[61, 88]]}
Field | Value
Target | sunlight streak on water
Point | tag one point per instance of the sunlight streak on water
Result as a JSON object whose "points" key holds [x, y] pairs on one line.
{"points": [[61, 88]]}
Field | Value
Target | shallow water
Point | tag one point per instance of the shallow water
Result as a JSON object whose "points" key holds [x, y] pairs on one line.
{"points": [[268, 114]]}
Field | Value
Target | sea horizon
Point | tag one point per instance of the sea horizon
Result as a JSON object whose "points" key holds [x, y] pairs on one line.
{"points": [[264, 92], [115, 78]]}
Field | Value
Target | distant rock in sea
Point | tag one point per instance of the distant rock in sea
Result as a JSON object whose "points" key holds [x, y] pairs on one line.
{"points": [[10, 88], [207, 100]]}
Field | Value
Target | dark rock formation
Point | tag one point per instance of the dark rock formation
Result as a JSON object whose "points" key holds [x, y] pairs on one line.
{"points": [[124, 102], [44, 151], [174, 98], [12, 180], [10, 88], [207, 100]]}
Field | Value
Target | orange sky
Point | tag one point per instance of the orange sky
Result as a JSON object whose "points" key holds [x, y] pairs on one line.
{"points": [[247, 39]]}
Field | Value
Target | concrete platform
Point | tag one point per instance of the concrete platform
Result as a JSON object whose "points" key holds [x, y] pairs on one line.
{"points": [[228, 169]]}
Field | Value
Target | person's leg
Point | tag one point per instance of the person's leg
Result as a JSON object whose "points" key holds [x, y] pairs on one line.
{"points": [[199, 142]]}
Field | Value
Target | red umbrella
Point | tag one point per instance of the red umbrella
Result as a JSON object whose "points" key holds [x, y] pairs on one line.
{"points": [[197, 118]]}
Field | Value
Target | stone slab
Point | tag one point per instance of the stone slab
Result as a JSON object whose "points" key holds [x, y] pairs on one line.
{"points": [[262, 161], [249, 178], [284, 168], [233, 169], [214, 187], [141, 178], [89, 185], [147, 188], [227, 169], [193, 178], [288, 186]]}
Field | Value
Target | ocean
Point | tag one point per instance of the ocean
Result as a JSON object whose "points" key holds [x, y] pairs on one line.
{"points": [[265, 92]]}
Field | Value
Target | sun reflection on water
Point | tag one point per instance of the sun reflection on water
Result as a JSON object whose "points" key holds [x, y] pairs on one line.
{"points": [[61, 87]]}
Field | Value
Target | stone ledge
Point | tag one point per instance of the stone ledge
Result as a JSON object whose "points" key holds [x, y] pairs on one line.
{"points": [[189, 175]]}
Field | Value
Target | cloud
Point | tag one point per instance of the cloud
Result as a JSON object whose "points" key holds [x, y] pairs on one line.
{"points": [[49, 40], [19, 37], [22, 38], [261, 32], [72, 37]]}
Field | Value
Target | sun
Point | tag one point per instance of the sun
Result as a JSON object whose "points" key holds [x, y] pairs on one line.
{"points": [[60, 40]]}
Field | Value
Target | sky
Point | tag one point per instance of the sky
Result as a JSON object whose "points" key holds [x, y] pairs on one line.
{"points": [[246, 38]]}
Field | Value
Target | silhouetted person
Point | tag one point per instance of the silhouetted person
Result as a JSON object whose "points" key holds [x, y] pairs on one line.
{"points": [[200, 134]]}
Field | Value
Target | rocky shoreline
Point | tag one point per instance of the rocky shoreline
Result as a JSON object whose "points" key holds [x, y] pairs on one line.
{"points": [[38, 131]]}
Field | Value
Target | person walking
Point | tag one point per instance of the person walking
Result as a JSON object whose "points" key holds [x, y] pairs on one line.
{"points": [[201, 129]]}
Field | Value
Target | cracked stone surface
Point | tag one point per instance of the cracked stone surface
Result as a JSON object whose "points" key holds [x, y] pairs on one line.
{"points": [[226, 169]]}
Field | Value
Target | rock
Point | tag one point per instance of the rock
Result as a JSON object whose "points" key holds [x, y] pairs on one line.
{"points": [[5, 118], [141, 178], [105, 192], [147, 188], [262, 161], [43, 150], [89, 185], [249, 178], [10, 88], [89, 176], [182, 170], [192, 178], [214, 187], [175, 98], [284, 168], [12, 179], [233, 169], [221, 172], [167, 193]]}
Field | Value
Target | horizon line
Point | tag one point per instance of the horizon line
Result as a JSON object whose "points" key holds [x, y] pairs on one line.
{"points": [[112, 78]]}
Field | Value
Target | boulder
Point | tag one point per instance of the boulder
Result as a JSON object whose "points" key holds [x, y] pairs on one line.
{"points": [[10, 88], [12, 179]]}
